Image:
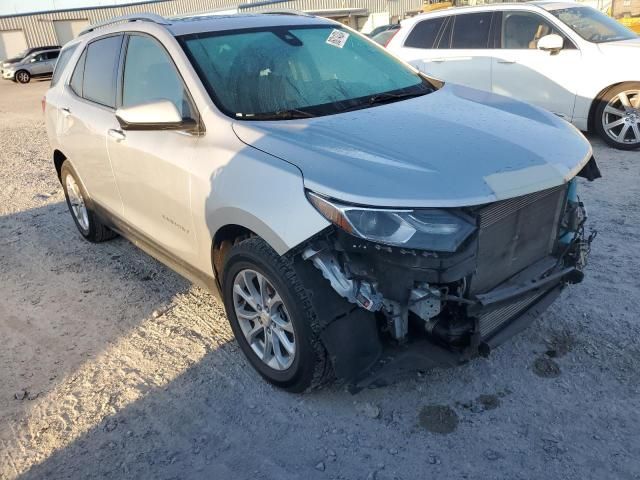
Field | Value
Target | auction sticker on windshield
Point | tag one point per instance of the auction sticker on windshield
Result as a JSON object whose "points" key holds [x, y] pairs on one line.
{"points": [[338, 38]]}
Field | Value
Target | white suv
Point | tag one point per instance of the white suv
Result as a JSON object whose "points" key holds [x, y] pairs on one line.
{"points": [[567, 58], [335, 199]]}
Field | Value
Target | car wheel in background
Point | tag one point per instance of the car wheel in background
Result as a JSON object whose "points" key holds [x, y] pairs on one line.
{"points": [[617, 117], [272, 317], [22, 76], [85, 219]]}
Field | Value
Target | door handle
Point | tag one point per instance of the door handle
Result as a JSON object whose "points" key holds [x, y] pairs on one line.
{"points": [[117, 135], [66, 111], [436, 60], [506, 61]]}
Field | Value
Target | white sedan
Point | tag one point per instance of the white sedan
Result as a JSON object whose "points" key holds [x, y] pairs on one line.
{"points": [[567, 58]]}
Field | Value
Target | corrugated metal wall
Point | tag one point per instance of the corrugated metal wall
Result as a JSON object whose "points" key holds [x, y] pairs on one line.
{"points": [[39, 29]]}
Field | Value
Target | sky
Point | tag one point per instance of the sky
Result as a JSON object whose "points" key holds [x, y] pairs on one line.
{"points": [[10, 7]]}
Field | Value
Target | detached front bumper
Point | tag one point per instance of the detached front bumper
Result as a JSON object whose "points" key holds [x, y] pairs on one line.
{"points": [[8, 74]]}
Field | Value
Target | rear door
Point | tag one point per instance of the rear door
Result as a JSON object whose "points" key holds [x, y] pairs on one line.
{"points": [[86, 114], [153, 167], [460, 48], [421, 45], [520, 70]]}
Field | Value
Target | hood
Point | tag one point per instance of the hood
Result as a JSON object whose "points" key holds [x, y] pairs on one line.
{"points": [[454, 147], [9, 61], [622, 47]]}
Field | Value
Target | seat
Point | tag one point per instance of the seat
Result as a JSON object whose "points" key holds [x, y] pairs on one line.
{"points": [[540, 32], [265, 86]]}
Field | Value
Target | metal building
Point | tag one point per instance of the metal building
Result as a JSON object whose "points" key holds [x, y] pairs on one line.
{"points": [[18, 32]]}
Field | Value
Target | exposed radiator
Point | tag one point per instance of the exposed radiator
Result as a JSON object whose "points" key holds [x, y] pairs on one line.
{"points": [[514, 234], [494, 319]]}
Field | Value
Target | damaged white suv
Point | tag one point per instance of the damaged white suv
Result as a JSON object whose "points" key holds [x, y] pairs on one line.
{"points": [[346, 208]]}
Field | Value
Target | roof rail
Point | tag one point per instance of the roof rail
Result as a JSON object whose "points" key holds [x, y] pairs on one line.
{"points": [[260, 3], [285, 12], [134, 17]]}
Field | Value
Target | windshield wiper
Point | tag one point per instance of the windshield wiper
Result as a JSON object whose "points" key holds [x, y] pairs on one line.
{"points": [[283, 115], [387, 97]]}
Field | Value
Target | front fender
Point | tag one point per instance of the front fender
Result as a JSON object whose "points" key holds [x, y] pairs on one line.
{"points": [[265, 195]]}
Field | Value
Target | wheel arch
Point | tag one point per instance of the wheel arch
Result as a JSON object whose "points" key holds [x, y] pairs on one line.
{"points": [[223, 239], [58, 160]]}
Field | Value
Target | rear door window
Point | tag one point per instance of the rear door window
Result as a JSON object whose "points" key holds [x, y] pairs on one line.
{"points": [[101, 65], [471, 31], [425, 33]]}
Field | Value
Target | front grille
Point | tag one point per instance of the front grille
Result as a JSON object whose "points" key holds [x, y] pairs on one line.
{"points": [[491, 321], [515, 233]]}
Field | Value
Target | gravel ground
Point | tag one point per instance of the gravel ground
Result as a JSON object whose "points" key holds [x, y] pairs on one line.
{"points": [[112, 366]]}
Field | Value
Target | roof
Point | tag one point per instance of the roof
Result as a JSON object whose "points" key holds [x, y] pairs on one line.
{"points": [[216, 23], [548, 5], [554, 5]]}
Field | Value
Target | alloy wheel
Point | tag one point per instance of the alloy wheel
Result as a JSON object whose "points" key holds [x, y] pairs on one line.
{"points": [[264, 320], [22, 77], [78, 207], [621, 118]]}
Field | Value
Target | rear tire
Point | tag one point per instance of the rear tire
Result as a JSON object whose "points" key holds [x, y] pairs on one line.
{"points": [[22, 76], [617, 116], [79, 204], [248, 265]]}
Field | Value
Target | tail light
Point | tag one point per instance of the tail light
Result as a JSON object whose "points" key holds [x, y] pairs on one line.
{"points": [[43, 102], [391, 38]]}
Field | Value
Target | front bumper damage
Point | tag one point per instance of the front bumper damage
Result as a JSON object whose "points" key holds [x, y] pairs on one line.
{"points": [[411, 310]]}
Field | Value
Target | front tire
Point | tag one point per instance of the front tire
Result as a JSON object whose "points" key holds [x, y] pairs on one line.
{"points": [[272, 317], [88, 223], [617, 117], [22, 76]]}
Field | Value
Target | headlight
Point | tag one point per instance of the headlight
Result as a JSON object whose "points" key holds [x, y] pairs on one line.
{"points": [[424, 229]]}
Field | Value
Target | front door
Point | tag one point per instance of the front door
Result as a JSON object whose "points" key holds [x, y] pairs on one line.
{"points": [[38, 64], [152, 167], [542, 78]]}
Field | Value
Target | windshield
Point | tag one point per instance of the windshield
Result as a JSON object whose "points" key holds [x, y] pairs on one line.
{"points": [[292, 72], [592, 25]]}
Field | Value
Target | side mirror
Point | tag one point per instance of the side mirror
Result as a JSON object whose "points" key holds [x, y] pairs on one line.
{"points": [[33, 60], [551, 43], [156, 115]]}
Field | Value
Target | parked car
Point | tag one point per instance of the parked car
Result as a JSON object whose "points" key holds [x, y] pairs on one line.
{"points": [[39, 64], [567, 58], [382, 38], [383, 28], [336, 200], [13, 60]]}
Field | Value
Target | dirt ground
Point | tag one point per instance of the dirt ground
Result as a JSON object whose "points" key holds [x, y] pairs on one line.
{"points": [[112, 366]]}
